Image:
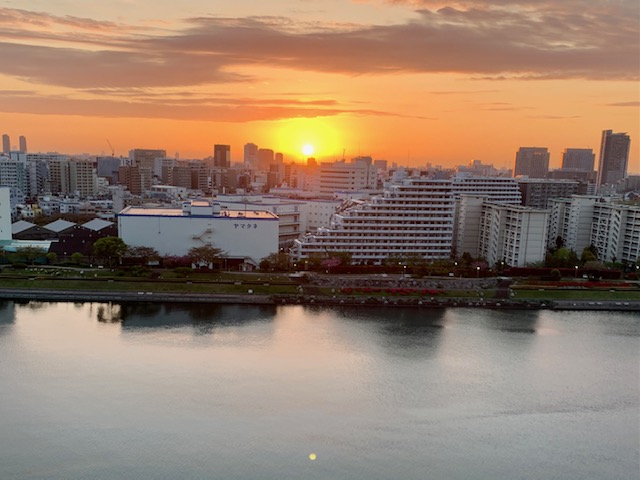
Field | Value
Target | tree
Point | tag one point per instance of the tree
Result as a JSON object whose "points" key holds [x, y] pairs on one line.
{"points": [[314, 261], [563, 258], [145, 254], [559, 243], [29, 254], [589, 254], [77, 258], [206, 254], [467, 259], [278, 262], [109, 248], [594, 269], [52, 257]]}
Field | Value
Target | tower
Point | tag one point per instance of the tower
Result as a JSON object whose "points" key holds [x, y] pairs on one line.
{"points": [[532, 161], [23, 144], [614, 157]]}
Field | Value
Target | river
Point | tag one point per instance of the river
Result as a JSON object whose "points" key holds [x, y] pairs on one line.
{"points": [[168, 391]]}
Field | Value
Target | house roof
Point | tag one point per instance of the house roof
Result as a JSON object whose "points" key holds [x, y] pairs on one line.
{"points": [[97, 224], [59, 225], [21, 226]]}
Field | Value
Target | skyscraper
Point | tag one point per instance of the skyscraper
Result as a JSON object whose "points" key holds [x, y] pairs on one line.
{"points": [[614, 156], [23, 144], [578, 159], [532, 162], [265, 158], [251, 154], [6, 144], [222, 156]]}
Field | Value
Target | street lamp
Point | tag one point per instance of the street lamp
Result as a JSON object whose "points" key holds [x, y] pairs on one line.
{"points": [[478, 271], [576, 271]]}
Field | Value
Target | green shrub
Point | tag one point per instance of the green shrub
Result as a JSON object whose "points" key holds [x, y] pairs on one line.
{"points": [[182, 271]]}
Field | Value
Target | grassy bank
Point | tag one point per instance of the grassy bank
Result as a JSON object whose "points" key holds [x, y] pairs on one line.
{"points": [[224, 283]]}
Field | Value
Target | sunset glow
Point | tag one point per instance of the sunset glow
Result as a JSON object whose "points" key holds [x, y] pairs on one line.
{"points": [[409, 81]]}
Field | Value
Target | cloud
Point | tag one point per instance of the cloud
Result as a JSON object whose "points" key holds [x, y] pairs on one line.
{"points": [[522, 39], [132, 70], [203, 109], [624, 104], [554, 117]]}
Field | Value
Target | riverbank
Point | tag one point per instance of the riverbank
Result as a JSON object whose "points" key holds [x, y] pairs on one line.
{"points": [[99, 285], [50, 295]]}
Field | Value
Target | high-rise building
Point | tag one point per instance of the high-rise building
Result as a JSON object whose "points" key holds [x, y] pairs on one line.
{"points": [[265, 158], [13, 174], [532, 162], [83, 177], [581, 159], [144, 157], [414, 216], [107, 167], [251, 154], [222, 156], [614, 156], [512, 234], [536, 192], [23, 143], [6, 144], [343, 176], [611, 226], [137, 179], [571, 219], [59, 174], [615, 231]]}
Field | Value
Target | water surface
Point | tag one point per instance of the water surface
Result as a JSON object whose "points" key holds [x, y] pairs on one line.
{"points": [[240, 392]]}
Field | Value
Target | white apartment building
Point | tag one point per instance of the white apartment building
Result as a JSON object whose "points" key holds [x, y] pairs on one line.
{"points": [[615, 231], [13, 174], [497, 189], [414, 216], [466, 231], [571, 219], [250, 235], [411, 217], [512, 234], [317, 213], [328, 178]]}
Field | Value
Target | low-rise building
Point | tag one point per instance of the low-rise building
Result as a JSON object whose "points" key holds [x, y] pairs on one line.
{"points": [[247, 235]]}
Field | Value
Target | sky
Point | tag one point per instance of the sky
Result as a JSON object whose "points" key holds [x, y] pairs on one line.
{"points": [[409, 81]]}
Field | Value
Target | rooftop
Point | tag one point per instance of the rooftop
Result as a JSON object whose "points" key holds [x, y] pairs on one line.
{"points": [[179, 212]]}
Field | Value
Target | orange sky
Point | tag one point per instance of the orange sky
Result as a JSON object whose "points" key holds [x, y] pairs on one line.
{"points": [[410, 81]]}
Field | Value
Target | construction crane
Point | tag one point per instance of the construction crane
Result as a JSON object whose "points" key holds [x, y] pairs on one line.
{"points": [[113, 153]]}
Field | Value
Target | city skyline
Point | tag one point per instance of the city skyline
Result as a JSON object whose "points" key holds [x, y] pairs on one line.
{"points": [[412, 82]]}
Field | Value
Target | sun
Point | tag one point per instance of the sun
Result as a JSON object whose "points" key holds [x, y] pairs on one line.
{"points": [[308, 149]]}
